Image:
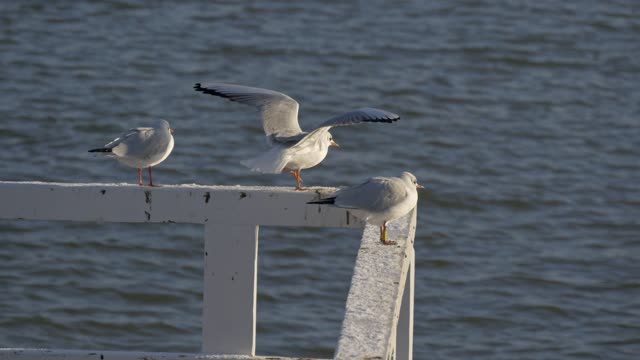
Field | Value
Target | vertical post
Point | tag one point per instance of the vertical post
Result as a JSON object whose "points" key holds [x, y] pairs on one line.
{"points": [[404, 331], [230, 288]]}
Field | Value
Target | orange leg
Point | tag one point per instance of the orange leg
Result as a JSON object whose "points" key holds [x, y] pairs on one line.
{"points": [[140, 177], [150, 177], [296, 174]]}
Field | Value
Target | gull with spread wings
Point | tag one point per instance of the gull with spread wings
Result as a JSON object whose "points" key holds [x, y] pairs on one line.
{"points": [[292, 149]]}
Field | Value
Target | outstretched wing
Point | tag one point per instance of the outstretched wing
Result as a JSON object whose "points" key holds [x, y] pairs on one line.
{"points": [[351, 118], [359, 116], [279, 111]]}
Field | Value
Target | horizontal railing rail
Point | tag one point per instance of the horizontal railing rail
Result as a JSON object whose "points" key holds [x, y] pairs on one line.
{"points": [[378, 321]]}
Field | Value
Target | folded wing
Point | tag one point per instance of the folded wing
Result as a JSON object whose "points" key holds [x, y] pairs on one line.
{"points": [[376, 194]]}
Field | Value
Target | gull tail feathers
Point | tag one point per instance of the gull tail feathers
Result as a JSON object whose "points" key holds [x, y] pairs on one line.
{"points": [[330, 201], [104, 150], [271, 162]]}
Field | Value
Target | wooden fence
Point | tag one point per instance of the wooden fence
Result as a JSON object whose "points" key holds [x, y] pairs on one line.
{"points": [[378, 321]]}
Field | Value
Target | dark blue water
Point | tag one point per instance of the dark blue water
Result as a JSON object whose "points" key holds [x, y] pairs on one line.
{"points": [[521, 118]]}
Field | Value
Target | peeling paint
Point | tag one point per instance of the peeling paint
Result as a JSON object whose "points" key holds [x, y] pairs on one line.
{"points": [[243, 195], [147, 197], [207, 196], [103, 191], [148, 215]]}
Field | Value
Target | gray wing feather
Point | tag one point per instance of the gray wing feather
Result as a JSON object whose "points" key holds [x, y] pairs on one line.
{"points": [[350, 118], [279, 111], [359, 116], [373, 195], [287, 141], [142, 132]]}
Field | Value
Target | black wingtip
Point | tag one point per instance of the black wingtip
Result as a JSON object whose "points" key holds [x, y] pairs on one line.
{"points": [[326, 201], [390, 120], [383, 120], [105, 150], [382, 115], [214, 92]]}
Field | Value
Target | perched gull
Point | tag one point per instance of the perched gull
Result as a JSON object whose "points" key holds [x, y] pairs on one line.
{"points": [[378, 200], [292, 149], [141, 147]]}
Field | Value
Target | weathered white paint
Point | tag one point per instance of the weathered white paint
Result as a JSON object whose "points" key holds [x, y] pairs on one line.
{"points": [[47, 354], [230, 289], [273, 206], [379, 312], [404, 333], [375, 297]]}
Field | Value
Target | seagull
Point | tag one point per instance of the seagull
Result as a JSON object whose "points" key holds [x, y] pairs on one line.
{"points": [[141, 147], [378, 200], [292, 150]]}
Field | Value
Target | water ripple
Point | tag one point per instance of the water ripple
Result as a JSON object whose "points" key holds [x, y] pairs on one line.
{"points": [[520, 118]]}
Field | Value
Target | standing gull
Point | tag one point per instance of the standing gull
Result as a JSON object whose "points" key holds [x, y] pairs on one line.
{"points": [[141, 147], [292, 149], [378, 200]]}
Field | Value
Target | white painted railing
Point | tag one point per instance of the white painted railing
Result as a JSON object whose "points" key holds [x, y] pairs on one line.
{"points": [[378, 321]]}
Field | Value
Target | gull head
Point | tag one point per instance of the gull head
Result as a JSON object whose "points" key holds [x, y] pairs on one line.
{"points": [[329, 140], [411, 179], [164, 125]]}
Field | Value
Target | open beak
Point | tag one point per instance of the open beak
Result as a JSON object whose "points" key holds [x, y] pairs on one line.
{"points": [[172, 131], [333, 143]]}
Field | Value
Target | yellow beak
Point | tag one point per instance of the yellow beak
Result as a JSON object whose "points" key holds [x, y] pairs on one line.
{"points": [[333, 143]]}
